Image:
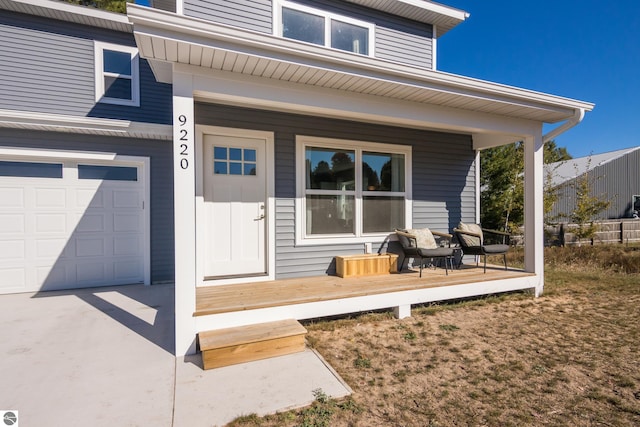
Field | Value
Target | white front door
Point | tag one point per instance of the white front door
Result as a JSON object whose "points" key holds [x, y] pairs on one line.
{"points": [[233, 227]]}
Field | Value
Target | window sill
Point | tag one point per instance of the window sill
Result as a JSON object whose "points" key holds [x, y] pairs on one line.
{"points": [[333, 240]]}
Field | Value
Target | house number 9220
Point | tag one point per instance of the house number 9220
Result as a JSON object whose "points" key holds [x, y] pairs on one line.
{"points": [[184, 147]]}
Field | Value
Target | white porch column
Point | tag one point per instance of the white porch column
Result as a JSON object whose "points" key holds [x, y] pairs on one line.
{"points": [[533, 208], [184, 195]]}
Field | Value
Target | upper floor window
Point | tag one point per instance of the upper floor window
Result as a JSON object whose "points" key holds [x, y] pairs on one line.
{"points": [[117, 74], [315, 26]]}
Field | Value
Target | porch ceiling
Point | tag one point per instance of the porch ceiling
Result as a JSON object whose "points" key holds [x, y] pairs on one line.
{"points": [[165, 38]]}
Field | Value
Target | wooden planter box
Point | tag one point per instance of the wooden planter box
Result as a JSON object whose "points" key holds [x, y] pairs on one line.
{"points": [[366, 264]]}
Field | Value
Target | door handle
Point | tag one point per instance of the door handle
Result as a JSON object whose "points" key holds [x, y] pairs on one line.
{"points": [[261, 217]]}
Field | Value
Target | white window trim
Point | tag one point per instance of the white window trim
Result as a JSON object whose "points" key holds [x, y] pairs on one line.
{"points": [[302, 142], [277, 24], [99, 48]]}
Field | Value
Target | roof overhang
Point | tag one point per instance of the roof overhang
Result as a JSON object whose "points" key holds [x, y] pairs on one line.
{"points": [[169, 40], [444, 18], [70, 13], [83, 125]]}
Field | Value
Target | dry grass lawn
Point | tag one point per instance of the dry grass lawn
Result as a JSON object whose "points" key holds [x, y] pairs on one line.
{"points": [[570, 357]]}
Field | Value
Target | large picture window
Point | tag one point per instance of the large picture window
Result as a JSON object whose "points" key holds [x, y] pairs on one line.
{"points": [[351, 189], [303, 23]]}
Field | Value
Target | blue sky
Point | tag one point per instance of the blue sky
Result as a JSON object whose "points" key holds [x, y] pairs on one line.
{"points": [[583, 49]]}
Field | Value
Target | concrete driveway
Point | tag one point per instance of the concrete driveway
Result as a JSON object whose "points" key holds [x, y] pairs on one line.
{"points": [[103, 357]]}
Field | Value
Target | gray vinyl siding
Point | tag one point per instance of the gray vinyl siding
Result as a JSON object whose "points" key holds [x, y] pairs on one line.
{"points": [[168, 5], [442, 164], [617, 181], [161, 203], [254, 15], [396, 39], [47, 66]]}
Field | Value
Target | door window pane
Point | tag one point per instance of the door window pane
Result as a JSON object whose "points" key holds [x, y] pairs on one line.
{"points": [[235, 168], [382, 172], [109, 173], [31, 169], [220, 168], [330, 169], [249, 155], [220, 153], [234, 161], [382, 214], [302, 26], [349, 37], [330, 214], [235, 154]]}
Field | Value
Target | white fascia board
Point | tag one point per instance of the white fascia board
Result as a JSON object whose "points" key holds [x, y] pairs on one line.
{"points": [[28, 153], [244, 90], [157, 23], [425, 11], [70, 12], [75, 124]]}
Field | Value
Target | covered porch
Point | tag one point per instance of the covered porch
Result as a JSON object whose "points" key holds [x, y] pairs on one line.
{"points": [[295, 98]]}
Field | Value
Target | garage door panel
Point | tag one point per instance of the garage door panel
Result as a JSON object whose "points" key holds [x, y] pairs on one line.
{"points": [[13, 279], [89, 197], [12, 250], [50, 248], [126, 199], [91, 273], [127, 245], [53, 277], [50, 198], [126, 222], [88, 247], [128, 270], [11, 224], [91, 222], [12, 198], [51, 223], [60, 231]]}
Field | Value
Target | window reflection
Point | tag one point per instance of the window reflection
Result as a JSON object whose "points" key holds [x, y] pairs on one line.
{"points": [[382, 172], [330, 214], [302, 26], [330, 169]]}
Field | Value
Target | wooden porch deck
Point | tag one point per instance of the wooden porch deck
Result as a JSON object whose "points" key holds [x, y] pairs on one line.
{"points": [[249, 296]]}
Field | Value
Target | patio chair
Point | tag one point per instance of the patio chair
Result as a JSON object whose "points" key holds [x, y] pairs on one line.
{"points": [[420, 243], [472, 242]]}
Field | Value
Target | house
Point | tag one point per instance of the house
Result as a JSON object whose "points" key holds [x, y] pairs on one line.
{"points": [[613, 176], [229, 145]]}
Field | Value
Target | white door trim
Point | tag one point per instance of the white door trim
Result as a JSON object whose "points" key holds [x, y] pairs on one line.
{"points": [[97, 158], [268, 137]]}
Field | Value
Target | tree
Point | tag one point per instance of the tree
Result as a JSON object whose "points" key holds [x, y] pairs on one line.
{"points": [[502, 184], [588, 205], [119, 6]]}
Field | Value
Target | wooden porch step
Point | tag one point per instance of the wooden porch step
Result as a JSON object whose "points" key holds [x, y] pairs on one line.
{"points": [[229, 346]]}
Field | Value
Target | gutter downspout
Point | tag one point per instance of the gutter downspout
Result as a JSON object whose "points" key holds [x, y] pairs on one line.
{"points": [[578, 115]]}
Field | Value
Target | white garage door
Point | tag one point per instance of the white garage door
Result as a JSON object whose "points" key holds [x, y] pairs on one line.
{"points": [[71, 224]]}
